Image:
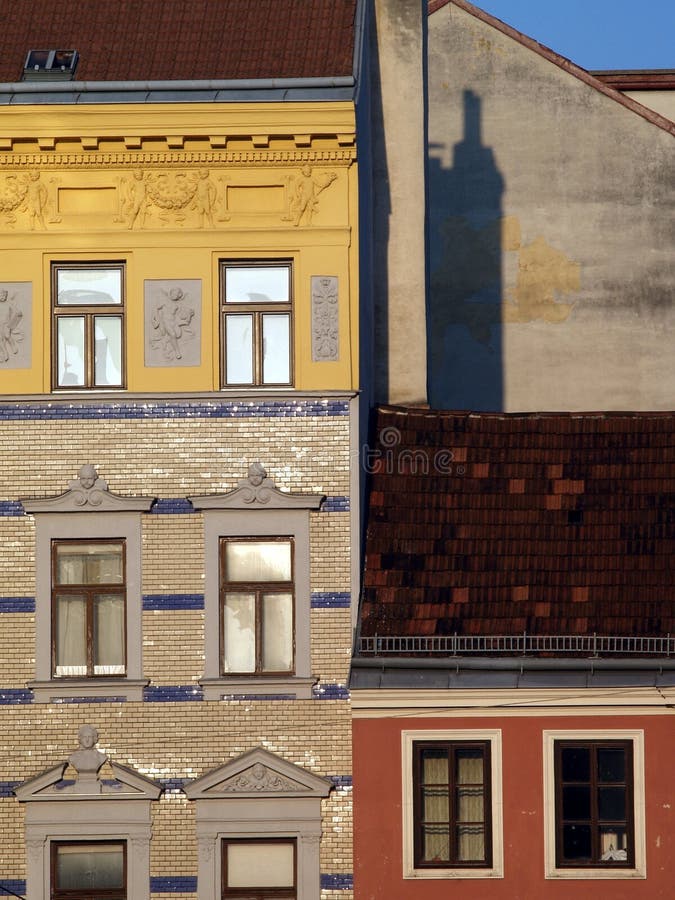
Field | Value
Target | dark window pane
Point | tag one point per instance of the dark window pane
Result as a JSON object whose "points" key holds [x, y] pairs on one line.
{"points": [[612, 803], [611, 764], [576, 764], [576, 802], [576, 842]]}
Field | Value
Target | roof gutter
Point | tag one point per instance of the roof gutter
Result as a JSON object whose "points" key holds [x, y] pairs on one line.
{"points": [[517, 664], [227, 84]]}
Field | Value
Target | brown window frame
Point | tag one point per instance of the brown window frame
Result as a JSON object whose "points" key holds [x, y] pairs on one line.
{"points": [[88, 590], [257, 310], [96, 893], [453, 861], [253, 892], [594, 822], [89, 312], [259, 588]]}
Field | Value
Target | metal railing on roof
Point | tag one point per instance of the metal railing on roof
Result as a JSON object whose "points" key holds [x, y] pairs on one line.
{"points": [[521, 644]]}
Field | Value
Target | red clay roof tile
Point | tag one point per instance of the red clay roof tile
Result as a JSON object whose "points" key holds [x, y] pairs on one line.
{"points": [[592, 532], [157, 40]]}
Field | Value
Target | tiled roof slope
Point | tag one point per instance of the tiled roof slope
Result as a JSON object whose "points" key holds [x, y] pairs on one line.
{"points": [[500, 524], [157, 40]]}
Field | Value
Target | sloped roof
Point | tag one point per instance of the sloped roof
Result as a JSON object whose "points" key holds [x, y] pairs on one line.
{"points": [[494, 524], [557, 59], [158, 40]]}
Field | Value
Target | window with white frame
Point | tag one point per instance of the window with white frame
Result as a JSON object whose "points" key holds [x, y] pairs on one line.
{"points": [[257, 323], [594, 802], [452, 790]]}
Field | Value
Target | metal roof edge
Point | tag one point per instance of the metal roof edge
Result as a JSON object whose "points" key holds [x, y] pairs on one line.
{"points": [[514, 663], [214, 90]]}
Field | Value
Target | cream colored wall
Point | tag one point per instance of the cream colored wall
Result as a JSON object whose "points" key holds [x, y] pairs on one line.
{"points": [[67, 178], [663, 102]]}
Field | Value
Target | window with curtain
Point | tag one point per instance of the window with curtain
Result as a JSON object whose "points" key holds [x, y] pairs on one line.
{"points": [[594, 804], [451, 796], [259, 870], [88, 325], [256, 605], [88, 608], [256, 308], [91, 870]]}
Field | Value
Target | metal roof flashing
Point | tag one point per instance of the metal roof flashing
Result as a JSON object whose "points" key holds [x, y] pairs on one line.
{"points": [[211, 91]]}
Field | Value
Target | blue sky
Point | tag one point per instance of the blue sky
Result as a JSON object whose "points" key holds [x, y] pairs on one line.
{"points": [[597, 34]]}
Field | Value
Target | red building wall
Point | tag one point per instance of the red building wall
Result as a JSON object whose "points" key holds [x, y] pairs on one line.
{"points": [[378, 865]]}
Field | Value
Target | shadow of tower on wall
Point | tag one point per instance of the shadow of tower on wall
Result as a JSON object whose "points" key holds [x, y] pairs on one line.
{"points": [[465, 260]]}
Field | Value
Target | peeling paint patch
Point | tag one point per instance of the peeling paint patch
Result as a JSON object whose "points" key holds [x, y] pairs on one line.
{"points": [[544, 275]]}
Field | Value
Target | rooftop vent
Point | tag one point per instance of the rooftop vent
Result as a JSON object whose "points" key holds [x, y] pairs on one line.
{"points": [[51, 65]]}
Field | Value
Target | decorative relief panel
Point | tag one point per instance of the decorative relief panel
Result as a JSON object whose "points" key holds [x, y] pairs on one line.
{"points": [[173, 320], [25, 201], [325, 318], [149, 195], [15, 324]]}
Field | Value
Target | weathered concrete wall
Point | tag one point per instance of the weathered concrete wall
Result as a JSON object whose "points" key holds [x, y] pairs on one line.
{"points": [[552, 226], [399, 277]]}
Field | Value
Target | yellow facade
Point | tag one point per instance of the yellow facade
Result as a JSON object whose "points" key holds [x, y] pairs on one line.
{"points": [[171, 191]]}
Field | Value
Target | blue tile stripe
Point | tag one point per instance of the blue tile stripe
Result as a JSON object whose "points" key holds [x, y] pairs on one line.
{"points": [[15, 696], [173, 601], [173, 884], [194, 409], [337, 882], [11, 508], [176, 506], [335, 504], [17, 604], [331, 600], [342, 781], [7, 788], [173, 784], [174, 693], [10, 887], [330, 692]]}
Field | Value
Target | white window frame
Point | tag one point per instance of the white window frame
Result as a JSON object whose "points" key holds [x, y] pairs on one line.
{"points": [[636, 736], [408, 739]]}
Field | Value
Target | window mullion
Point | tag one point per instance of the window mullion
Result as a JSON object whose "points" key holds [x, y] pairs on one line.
{"points": [[90, 633]]}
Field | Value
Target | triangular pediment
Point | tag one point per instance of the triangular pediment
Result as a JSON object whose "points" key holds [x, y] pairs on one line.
{"points": [[56, 784], [257, 773]]}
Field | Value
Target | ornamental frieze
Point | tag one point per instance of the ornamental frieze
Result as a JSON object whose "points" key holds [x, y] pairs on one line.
{"points": [[153, 198]]}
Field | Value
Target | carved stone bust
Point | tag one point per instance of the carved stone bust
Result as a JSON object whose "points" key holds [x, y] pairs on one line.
{"points": [[87, 760]]}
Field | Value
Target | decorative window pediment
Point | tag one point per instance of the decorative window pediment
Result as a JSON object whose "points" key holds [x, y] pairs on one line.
{"points": [[261, 801], [258, 773], [257, 491], [91, 801], [88, 493]]}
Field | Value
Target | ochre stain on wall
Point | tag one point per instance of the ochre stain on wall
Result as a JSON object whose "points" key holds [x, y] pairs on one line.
{"points": [[544, 274]]}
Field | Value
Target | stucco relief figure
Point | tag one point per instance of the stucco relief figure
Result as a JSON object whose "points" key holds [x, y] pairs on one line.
{"points": [[307, 189], [172, 194], [88, 488], [170, 320], [257, 486], [10, 333], [87, 760], [13, 190], [134, 205], [205, 198], [324, 318], [36, 200]]}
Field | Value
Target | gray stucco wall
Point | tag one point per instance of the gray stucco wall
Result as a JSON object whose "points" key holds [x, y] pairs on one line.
{"points": [[551, 229]]}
